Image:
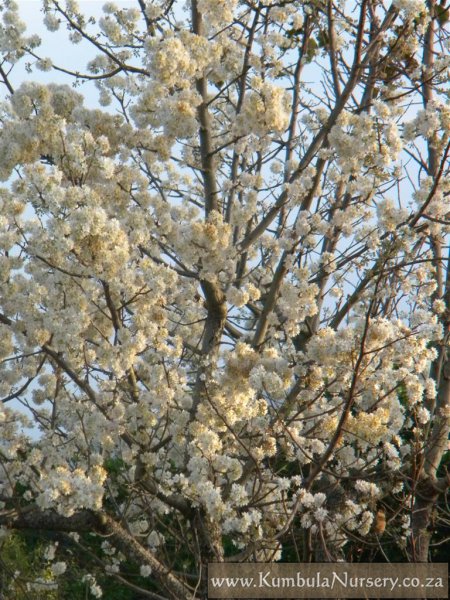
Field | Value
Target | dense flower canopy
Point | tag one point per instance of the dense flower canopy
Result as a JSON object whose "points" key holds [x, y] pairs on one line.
{"points": [[225, 294]]}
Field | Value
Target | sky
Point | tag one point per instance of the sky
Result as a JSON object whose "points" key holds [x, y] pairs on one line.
{"points": [[57, 46]]}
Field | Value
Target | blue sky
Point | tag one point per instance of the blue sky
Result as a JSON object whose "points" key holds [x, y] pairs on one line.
{"points": [[57, 47]]}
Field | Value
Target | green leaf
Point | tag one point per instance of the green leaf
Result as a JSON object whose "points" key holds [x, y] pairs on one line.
{"points": [[442, 14], [322, 39]]}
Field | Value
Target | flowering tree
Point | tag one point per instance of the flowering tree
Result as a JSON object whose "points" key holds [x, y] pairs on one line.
{"points": [[225, 297]]}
